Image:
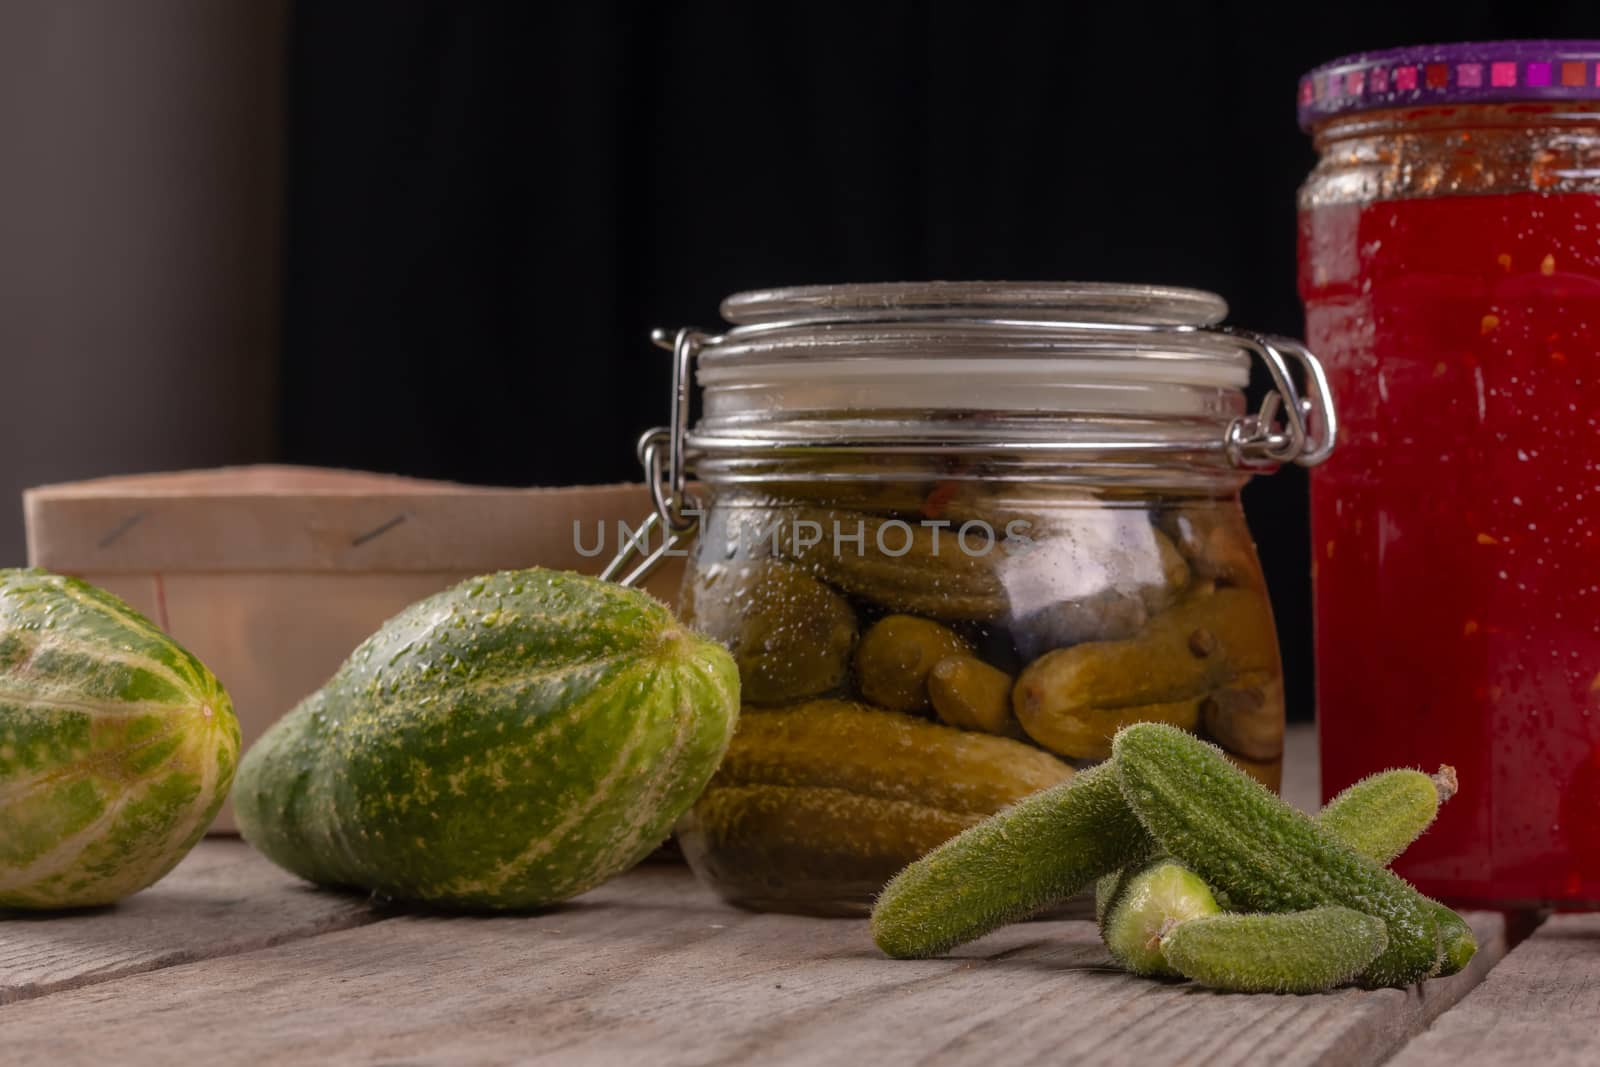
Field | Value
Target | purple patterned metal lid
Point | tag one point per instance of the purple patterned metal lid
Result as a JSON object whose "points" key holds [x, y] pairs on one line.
{"points": [[1478, 72]]}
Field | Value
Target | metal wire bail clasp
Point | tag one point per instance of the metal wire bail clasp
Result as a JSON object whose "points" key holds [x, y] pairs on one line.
{"points": [[677, 511], [1309, 426]]}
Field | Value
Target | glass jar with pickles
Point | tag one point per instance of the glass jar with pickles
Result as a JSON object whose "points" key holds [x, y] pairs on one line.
{"points": [[956, 535]]}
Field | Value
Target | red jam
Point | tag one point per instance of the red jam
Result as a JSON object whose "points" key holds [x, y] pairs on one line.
{"points": [[1457, 527]]}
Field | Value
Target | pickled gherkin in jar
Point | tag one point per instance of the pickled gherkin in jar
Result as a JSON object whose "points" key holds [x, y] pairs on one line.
{"points": [[817, 805], [897, 655], [790, 635], [974, 695], [1072, 700]]}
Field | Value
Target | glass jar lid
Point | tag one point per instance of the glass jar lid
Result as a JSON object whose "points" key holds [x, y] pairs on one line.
{"points": [[990, 366], [988, 349], [1035, 301]]}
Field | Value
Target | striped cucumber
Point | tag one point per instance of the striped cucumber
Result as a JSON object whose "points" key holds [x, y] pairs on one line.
{"points": [[1382, 814], [1037, 852], [116, 745], [1292, 952], [1266, 856], [507, 743]]}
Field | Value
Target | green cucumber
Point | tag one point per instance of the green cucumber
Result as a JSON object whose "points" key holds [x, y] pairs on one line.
{"points": [[1246, 842], [116, 745], [1037, 852], [1142, 905], [1458, 944], [1377, 816], [1383, 813], [505, 744], [1291, 952]]}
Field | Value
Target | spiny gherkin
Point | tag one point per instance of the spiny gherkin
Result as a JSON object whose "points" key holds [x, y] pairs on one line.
{"points": [[1041, 850], [1291, 952], [1382, 814], [1142, 905], [1266, 856]]}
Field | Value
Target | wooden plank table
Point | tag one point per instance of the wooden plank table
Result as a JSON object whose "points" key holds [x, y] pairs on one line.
{"points": [[230, 955]]}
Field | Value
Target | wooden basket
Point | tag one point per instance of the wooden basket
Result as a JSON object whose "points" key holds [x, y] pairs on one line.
{"points": [[272, 575]]}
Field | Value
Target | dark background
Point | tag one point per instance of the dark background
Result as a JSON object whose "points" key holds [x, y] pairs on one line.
{"points": [[431, 238], [490, 206]]}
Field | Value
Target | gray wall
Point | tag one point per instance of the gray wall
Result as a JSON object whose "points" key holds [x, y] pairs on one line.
{"points": [[140, 213]]}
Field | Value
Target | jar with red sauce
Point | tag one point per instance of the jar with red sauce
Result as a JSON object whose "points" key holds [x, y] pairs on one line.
{"points": [[1449, 251]]}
